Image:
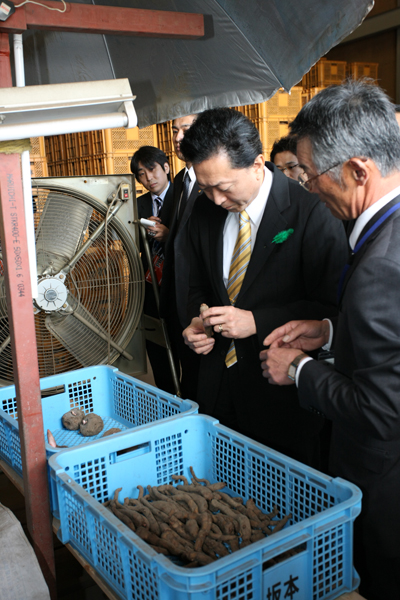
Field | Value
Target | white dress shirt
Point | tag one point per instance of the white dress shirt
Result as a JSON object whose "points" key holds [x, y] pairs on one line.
{"points": [[156, 210], [255, 210]]}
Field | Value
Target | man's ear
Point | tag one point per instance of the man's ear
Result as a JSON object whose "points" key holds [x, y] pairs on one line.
{"points": [[258, 165], [360, 169], [166, 168]]}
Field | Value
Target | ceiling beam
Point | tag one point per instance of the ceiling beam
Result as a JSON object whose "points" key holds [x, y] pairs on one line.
{"points": [[110, 20], [373, 25]]}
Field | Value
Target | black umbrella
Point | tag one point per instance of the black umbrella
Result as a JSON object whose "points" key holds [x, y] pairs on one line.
{"points": [[251, 48]]}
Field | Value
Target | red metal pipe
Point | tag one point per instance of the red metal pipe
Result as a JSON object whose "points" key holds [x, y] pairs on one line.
{"points": [[26, 370]]}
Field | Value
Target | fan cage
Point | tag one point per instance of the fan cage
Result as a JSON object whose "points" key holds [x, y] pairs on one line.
{"points": [[114, 303]]}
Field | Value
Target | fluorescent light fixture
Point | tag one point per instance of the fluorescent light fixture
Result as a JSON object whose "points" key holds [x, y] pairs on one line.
{"points": [[40, 110]]}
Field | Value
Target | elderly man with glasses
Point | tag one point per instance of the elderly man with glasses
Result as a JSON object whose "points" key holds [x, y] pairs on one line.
{"points": [[349, 147]]}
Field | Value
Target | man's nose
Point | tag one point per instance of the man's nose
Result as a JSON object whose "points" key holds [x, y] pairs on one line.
{"points": [[217, 197]]}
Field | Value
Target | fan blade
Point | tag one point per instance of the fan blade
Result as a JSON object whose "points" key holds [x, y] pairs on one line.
{"points": [[61, 230], [87, 347], [82, 335]]}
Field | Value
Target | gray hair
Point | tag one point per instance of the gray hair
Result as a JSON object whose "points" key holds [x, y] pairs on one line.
{"points": [[353, 119]]}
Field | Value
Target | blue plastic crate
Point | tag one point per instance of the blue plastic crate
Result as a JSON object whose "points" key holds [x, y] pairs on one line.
{"points": [[321, 528], [122, 401]]}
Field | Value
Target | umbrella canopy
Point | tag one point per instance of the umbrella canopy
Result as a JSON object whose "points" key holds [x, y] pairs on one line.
{"points": [[250, 49]]}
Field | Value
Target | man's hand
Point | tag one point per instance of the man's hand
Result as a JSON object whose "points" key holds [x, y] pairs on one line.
{"points": [[159, 232], [304, 335], [230, 322], [275, 364], [196, 338]]}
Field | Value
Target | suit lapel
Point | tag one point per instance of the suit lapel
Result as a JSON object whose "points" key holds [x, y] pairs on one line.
{"points": [[145, 205], [272, 222], [356, 258], [217, 224], [194, 194]]}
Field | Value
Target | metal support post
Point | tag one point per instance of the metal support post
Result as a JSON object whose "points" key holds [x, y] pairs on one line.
{"points": [[26, 369]]}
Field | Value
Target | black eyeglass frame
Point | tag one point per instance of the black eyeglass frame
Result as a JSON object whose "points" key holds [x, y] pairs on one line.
{"points": [[306, 182]]}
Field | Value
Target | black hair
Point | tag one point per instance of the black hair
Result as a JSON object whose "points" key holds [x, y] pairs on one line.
{"points": [[222, 130], [148, 156], [284, 144]]}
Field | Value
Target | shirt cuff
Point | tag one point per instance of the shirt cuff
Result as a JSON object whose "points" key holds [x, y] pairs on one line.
{"points": [[328, 344], [300, 366]]}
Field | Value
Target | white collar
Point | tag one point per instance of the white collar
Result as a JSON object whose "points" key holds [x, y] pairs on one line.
{"points": [[255, 209], [367, 215], [162, 195], [190, 172]]}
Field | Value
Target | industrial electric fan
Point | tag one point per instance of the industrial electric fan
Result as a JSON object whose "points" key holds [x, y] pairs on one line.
{"points": [[90, 277]]}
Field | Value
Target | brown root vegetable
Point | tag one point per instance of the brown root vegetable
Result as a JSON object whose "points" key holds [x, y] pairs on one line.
{"points": [[92, 424], [278, 525], [51, 440], [207, 328], [257, 536], [196, 489], [111, 431], [244, 527], [73, 418], [192, 528], [205, 481], [214, 546], [206, 522]]}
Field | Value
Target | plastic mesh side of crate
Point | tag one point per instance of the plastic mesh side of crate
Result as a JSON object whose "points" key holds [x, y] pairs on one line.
{"points": [[144, 582], [75, 521], [9, 405], [92, 476], [108, 557], [249, 473], [140, 406], [81, 394], [243, 586], [10, 446], [331, 560]]}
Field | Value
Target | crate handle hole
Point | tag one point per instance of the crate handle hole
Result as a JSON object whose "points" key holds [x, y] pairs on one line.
{"points": [[131, 452]]}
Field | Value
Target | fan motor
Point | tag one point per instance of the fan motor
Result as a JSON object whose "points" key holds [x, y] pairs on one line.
{"points": [[52, 293]]}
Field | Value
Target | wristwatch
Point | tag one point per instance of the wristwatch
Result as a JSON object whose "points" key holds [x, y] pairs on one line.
{"points": [[294, 364]]}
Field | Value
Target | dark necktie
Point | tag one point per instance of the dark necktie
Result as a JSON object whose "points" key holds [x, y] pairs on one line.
{"points": [[156, 246], [185, 195], [158, 203]]}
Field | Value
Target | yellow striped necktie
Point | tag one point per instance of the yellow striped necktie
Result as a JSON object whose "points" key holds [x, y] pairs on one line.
{"points": [[237, 271]]}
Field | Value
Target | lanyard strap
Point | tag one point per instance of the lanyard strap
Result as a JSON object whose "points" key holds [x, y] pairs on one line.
{"points": [[362, 241]]}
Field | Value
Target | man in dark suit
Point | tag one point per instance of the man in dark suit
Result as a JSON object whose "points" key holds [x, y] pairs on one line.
{"points": [[151, 168], [283, 155], [352, 160], [297, 253], [175, 286]]}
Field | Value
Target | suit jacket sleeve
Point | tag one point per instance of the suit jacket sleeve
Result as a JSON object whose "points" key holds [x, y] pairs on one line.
{"points": [[362, 392]]}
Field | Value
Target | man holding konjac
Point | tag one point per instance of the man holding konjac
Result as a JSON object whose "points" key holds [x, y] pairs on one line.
{"points": [[262, 250]]}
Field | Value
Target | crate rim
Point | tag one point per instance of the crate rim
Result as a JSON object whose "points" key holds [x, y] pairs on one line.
{"points": [[58, 379]]}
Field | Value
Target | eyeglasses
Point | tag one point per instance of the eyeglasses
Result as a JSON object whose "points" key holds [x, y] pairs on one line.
{"points": [[288, 168], [305, 183]]}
